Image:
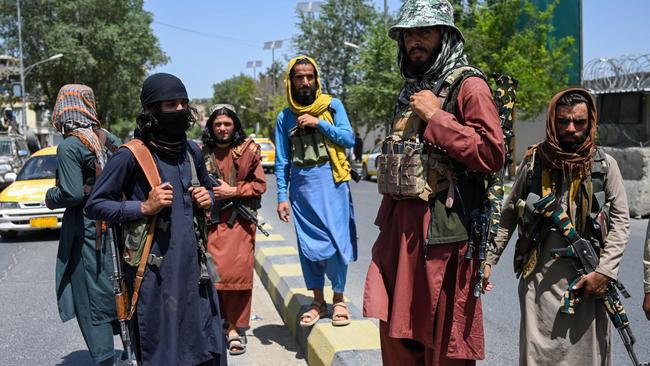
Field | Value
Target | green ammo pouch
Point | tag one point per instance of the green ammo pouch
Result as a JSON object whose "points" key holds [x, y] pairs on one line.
{"points": [[308, 147], [135, 235]]}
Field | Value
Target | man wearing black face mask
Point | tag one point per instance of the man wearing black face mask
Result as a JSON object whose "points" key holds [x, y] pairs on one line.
{"points": [[177, 319]]}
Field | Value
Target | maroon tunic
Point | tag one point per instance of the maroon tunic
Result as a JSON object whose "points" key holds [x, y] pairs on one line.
{"points": [[232, 248], [430, 301]]}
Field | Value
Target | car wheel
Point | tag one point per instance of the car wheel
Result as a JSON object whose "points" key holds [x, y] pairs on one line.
{"points": [[8, 235], [364, 172]]}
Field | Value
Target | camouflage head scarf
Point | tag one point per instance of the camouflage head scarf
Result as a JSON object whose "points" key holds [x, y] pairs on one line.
{"points": [[75, 115], [428, 13]]}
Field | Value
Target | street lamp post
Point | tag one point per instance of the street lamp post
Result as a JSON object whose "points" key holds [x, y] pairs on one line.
{"points": [[254, 65], [272, 45]]}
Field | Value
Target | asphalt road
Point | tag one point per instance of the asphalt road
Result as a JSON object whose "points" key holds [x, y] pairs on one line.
{"points": [[32, 334], [501, 307]]}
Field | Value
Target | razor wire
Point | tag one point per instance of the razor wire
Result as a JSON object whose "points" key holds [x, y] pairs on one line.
{"points": [[628, 73]]}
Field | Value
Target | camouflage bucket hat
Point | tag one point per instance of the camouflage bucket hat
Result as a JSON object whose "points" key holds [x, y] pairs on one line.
{"points": [[423, 13]]}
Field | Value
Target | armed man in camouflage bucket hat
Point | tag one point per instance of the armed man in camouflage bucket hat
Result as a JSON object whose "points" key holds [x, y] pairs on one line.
{"points": [[419, 284]]}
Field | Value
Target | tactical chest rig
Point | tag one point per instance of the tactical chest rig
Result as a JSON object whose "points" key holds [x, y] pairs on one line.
{"points": [[534, 230], [410, 168]]}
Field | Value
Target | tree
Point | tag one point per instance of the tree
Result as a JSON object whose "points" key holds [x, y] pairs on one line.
{"points": [[107, 44], [513, 37], [373, 97], [323, 39], [240, 91]]}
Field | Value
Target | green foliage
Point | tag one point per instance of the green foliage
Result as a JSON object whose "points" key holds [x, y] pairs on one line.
{"points": [[323, 39], [373, 97], [240, 91], [107, 44], [513, 37]]}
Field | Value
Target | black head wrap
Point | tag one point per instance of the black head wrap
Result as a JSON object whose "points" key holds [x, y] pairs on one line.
{"points": [[160, 87]]}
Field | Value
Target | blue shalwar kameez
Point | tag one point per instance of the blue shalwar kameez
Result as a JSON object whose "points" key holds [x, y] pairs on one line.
{"points": [[322, 209], [178, 320]]}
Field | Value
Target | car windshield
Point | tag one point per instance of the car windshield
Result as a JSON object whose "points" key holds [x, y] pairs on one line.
{"points": [[39, 167], [5, 148], [266, 146]]}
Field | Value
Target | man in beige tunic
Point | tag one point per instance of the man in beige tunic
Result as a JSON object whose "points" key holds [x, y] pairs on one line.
{"points": [[588, 182]]}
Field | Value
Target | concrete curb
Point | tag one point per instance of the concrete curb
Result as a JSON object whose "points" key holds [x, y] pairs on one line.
{"points": [[278, 267]]}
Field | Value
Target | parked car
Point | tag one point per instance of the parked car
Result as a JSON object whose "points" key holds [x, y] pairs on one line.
{"points": [[13, 154], [22, 203], [369, 162], [268, 153]]}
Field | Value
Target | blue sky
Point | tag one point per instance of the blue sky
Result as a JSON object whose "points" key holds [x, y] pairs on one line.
{"points": [[230, 33]]}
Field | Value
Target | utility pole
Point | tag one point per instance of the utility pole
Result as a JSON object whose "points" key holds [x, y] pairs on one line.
{"points": [[22, 71]]}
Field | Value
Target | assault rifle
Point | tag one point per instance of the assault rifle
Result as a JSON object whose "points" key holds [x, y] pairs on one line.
{"points": [[586, 261], [121, 298], [484, 224], [238, 209]]}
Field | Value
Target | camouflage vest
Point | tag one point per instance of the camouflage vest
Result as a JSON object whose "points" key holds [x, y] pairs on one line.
{"points": [[407, 168]]}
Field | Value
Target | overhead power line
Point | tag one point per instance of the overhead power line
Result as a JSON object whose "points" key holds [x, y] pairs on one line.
{"points": [[246, 42]]}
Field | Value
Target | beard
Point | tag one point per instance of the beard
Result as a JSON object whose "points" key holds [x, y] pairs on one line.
{"points": [[225, 141], [573, 146], [419, 68], [304, 96]]}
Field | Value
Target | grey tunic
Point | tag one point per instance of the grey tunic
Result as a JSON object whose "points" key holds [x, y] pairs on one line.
{"points": [[547, 336]]}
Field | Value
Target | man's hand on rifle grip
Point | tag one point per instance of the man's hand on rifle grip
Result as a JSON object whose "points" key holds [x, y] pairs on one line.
{"points": [[224, 190], [594, 284], [159, 198], [487, 285]]}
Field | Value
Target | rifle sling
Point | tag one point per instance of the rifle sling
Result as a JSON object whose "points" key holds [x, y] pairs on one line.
{"points": [[148, 165]]}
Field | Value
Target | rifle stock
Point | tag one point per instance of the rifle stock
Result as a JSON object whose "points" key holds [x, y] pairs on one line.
{"points": [[121, 292]]}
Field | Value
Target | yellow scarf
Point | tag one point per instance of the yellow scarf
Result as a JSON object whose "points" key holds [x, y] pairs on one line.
{"points": [[320, 108]]}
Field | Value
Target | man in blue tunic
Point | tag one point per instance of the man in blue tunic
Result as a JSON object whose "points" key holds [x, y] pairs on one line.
{"points": [[83, 266], [311, 136], [177, 319]]}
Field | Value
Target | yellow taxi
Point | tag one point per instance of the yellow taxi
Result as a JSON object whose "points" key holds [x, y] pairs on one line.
{"points": [[369, 162], [22, 203], [268, 153]]}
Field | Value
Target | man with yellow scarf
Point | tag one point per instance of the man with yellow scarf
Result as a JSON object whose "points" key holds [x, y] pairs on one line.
{"points": [[311, 136]]}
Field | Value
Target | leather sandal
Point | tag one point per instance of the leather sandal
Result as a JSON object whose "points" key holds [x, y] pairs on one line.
{"points": [[236, 345], [307, 319], [340, 319]]}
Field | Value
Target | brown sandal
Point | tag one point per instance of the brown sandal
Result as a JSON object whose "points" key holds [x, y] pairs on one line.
{"points": [[307, 319], [340, 319]]}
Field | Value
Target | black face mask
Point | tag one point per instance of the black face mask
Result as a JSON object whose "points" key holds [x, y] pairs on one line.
{"points": [[172, 125]]}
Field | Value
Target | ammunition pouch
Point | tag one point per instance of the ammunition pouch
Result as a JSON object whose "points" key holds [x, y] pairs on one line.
{"points": [[308, 147], [401, 169], [135, 236]]}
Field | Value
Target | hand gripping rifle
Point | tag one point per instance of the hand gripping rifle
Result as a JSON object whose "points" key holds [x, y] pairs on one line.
{"points": [[238, 209], [121, 298], [485, 223], [586, 260]]}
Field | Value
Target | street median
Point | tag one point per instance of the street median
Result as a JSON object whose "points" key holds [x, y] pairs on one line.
{"points": [[278, 267]]}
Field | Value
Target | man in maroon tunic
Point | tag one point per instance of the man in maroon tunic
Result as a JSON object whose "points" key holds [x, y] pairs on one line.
{"points": [[235, 161], [420, 284]]}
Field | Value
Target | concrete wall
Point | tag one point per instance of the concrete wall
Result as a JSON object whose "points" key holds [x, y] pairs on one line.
{"points": [[634, 163]]}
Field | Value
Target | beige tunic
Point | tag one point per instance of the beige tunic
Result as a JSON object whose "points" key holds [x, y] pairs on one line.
{"points": [[547, 336], [646, 261]]}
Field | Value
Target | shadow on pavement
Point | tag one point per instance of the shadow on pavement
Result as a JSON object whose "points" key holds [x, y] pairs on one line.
{"points": [[41, 235], [275, 333], [77, 358]]}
